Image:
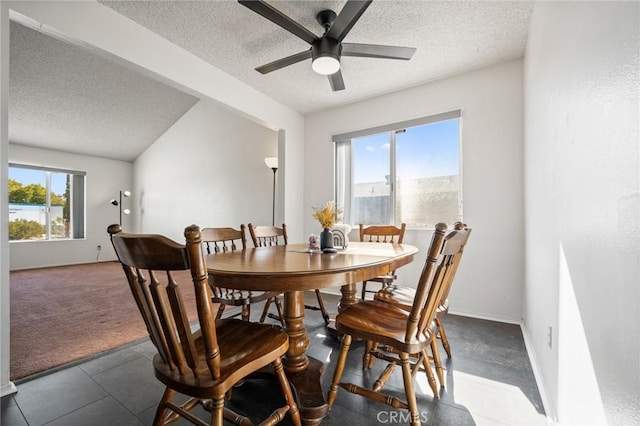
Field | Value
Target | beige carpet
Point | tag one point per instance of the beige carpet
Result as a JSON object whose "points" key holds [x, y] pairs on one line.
{"points": [[67, 313]]}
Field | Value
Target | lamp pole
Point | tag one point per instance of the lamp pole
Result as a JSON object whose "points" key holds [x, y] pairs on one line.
{"points": [[272, 163], [120, 206], [273, 202], [126, 211]]}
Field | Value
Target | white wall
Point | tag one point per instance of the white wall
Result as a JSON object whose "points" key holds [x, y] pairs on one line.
{"points": [[490, 279], [208, 170], [103, 182], [582, 208]]}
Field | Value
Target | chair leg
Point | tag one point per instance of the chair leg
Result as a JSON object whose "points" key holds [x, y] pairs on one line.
{"points": [[280, 310], [265, 310], [337, 375], [217, 414], [443, 337], [325, 315], [364, 290], [366, 356], [286, 390], [221, 307], [246, 312], [408, 389], [163, 409], [372, 359], [426, 363], [437, 361]]}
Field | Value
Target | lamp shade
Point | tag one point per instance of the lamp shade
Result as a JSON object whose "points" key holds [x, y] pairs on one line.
{"points": [[271, 162]]}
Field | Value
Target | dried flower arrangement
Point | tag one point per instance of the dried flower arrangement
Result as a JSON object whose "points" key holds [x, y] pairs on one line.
{"points": [[326, 215]]}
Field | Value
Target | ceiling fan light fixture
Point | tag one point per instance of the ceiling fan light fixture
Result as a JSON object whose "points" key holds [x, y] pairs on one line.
{"points": [[325, 65], [325, 55]]}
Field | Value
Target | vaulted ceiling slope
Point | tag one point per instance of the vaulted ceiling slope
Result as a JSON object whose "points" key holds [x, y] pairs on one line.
{"points": [[66, 98]]}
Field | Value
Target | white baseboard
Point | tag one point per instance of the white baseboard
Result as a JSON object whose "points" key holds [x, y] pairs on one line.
{"points": [[496, 318], [8, 389], [552, 416]]}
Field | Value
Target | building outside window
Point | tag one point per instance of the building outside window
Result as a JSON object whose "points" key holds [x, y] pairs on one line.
{"points": [[45, 204], [404, 172]]}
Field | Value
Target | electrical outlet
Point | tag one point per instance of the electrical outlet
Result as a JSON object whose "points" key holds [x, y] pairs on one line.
{"points": [[99, 247], [550, 336]]}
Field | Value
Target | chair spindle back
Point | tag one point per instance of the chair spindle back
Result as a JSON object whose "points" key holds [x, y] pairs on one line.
{"points": [[382, 233], [223, 239], [267, 236], [150, 262], [438, 272], [462, 235]]}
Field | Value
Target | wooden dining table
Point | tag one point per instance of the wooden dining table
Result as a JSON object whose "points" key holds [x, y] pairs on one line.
{"points": [[294, 269]]}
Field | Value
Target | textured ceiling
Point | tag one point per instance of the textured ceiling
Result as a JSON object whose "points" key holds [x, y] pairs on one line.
{"points": [[450, 37], [65, 98]]}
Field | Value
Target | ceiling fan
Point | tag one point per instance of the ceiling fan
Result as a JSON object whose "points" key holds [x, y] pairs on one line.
{"points": [[326, 50]]}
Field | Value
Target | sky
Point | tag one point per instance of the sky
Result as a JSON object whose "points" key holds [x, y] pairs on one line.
{"points": [[422, 151]]}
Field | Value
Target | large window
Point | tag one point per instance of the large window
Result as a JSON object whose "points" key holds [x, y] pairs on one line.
{"points": [[406, 172], [45, 204]]}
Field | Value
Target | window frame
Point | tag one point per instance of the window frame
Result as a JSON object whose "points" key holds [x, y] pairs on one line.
{"points": [[77, 202], [343, 194]]}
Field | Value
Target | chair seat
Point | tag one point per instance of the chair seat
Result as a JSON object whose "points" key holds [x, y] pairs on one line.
{"points": [[402, 297], [238, 341], [388, 326]]}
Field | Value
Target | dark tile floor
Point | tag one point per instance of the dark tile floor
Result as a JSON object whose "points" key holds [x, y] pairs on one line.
{"points": [[489, 381]]}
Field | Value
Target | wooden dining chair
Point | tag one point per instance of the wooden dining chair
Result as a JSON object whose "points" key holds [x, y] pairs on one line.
{"points": [[403, 296], [204, 364], [266, 236], [400, 336], [381, 234], [221, 240]]}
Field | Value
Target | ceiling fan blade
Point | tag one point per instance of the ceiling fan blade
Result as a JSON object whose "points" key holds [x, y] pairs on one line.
{"points": [[348, 16], [284, 62], [336, 81], [279, 18], [377, 51]]}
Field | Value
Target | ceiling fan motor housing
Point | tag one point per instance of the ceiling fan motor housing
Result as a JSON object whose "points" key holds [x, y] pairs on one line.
{"points": [[326, 47]]}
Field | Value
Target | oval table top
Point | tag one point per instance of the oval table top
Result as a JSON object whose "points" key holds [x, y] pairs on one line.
{"points": [[293, 267]]}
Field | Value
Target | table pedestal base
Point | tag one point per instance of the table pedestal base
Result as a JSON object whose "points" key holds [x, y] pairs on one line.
{"points": [[308, 387]]}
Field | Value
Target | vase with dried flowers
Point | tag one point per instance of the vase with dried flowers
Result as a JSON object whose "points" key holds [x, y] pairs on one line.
{"points": [[327, 216]]}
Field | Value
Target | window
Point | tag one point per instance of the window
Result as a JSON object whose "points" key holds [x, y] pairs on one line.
{"points": [[405, 172], [45, 204]]}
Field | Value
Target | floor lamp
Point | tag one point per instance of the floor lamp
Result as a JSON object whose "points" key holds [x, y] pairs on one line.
{"points": [[119, 203], [272, 163]]}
